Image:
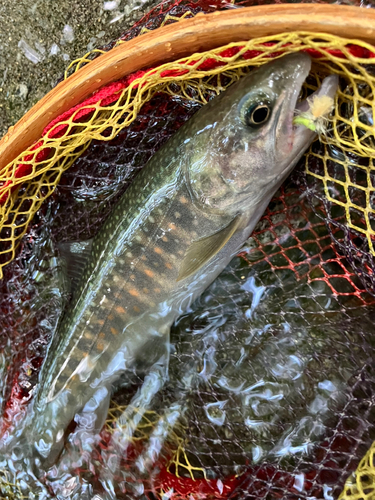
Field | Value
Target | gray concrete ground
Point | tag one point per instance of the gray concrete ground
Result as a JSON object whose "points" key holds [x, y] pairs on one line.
{"points": [[39, 38]]}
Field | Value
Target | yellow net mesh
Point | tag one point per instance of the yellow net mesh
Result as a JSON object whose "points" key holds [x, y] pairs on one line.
{"points": [[361, 484], [351, 131], [142, 426], [8, 489]]}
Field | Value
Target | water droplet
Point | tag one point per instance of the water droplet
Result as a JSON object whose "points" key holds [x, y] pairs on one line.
{"points": [[257, 452], [215, 412], [299, 481], [220, 486]]}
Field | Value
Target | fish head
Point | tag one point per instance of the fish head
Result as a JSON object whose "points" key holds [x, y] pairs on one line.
{"points": [[247, 142]]}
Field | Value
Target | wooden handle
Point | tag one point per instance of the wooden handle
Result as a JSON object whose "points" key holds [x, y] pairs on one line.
{"points": [[201, 33]]}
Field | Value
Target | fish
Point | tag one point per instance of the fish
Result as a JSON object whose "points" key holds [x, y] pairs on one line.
{"points": [[184, 217]]}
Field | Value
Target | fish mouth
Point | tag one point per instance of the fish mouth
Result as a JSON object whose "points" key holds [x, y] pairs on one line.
{"points": [[301, 136], [327, 88]]}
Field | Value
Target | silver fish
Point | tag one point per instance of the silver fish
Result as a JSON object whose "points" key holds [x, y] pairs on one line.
{"points": [[185, 216]]}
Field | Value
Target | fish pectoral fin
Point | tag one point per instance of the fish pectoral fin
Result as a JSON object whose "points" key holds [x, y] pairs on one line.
{"points": [[75, 254], [203, 250]]}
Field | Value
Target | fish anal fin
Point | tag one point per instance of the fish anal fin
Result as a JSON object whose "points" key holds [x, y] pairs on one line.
{"points": [[203, 250]]}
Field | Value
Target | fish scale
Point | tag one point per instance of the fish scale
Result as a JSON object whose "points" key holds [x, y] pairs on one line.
{"points": [[169, 236]]}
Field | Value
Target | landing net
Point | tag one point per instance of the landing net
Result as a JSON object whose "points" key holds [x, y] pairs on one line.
{"points": [[294, 415]]}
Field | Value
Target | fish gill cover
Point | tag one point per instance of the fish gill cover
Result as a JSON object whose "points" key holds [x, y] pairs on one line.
{"points": [[271, 384]]}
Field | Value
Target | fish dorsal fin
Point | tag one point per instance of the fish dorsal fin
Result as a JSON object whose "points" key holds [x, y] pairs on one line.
{"points": [[203, 250], [75, 254]]}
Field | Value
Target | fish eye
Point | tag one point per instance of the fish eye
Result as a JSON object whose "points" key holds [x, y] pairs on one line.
{"points": [[257, 113]]}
